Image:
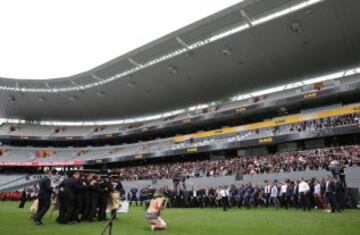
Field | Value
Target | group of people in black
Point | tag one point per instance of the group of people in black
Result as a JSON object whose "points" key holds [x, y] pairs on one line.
{"points": [[78, 197]]}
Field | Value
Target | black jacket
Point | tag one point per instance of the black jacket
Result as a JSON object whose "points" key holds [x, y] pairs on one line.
{"points": [[331, 187], [71, 186], [45, 188]]}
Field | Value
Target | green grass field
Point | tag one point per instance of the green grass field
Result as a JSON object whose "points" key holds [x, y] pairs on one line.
{"points": [[14, 221]]}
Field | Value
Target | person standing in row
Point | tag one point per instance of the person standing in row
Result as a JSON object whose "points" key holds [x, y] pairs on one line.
{"points": [[283, 195], [304, 191], [267, 191], [224, 193], [274, 196]]}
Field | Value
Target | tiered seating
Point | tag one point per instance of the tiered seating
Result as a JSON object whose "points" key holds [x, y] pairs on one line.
{"points": [[234, 134], [19, 154], [74, 131], [84, 131], [4, 178], [59, 155], [17, 180], [108, 130], [26, 130]]}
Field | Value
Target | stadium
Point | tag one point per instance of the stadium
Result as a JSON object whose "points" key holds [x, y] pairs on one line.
{"points": [[244, 120]]}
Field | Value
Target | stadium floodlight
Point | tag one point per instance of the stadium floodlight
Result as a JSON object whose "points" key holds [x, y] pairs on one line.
{"points": [[18, 87], [182, 43], [246, 17], [325, 78], [135, 63], [97, 78], [353, 71], [197, 107], [285, 11], [227, 33], [268, 91], [77, 85]]}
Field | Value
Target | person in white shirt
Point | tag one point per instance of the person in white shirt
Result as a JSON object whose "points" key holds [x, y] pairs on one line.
{"points": [[194, 197], [304, 189], [283, 195], [224, 193], [194, 193], [317, 194]]}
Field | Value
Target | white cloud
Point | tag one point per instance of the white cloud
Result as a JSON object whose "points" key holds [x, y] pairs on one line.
{"points": [[46, 39]]}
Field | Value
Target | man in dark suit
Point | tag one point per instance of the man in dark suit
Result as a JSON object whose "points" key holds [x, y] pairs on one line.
{"points": [[340, 194], [85, 214], [94, 188], [22, 199], [267, 190], [104, 194], [331, 192], [44, 197], [133, 192], [68, 189], [79, 199]]}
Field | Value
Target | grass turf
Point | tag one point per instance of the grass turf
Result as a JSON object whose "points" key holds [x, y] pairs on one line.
{"points": [[14, 221]]}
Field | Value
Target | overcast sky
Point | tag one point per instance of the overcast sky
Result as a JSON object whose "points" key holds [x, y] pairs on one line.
{"points": [[57, 38]]}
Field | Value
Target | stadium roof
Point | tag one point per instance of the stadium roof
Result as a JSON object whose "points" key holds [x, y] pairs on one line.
{"points": [[64, 46], [253, 45]]}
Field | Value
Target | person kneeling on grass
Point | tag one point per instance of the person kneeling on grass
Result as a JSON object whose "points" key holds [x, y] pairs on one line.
{"points": [[157, 204]]}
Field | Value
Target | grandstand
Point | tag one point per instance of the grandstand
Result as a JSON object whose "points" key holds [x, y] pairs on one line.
{"points": [[327, 121], [263, 91]]}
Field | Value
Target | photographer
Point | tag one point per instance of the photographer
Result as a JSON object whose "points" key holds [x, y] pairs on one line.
{"points": [[104, 193], [338, 171]]}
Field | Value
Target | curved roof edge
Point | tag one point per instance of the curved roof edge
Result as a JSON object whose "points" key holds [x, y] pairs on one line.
{"points": [[247, 22]]}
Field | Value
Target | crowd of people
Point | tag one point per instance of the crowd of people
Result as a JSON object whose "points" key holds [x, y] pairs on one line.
{"points": [[241, 165], [318, 124], [326, 193], [154, 146], [86, 196], [304, 126]]}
